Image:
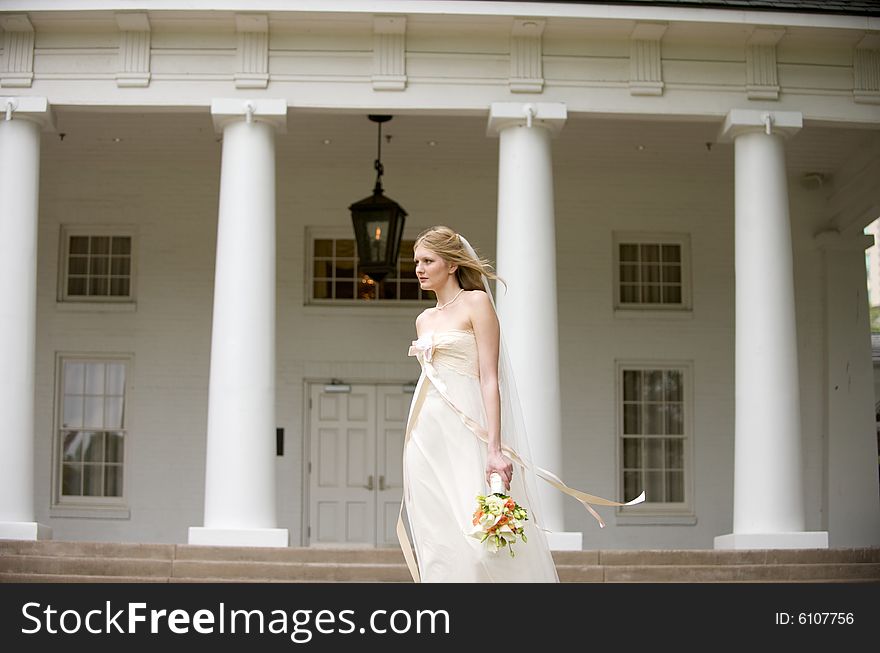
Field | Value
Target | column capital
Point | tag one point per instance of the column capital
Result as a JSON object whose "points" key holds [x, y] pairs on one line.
{"points": [[228, 110], [549, 115], [742, 121], [28, 107]]}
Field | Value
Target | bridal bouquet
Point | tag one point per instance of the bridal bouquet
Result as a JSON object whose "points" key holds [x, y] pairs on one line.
{"points": [[498, 520]]}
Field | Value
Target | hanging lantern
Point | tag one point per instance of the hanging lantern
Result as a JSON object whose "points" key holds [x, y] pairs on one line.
{"points": [[378, 223]]}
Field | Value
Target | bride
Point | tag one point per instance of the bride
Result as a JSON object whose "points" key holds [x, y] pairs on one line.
{"points": [[465, 424]]}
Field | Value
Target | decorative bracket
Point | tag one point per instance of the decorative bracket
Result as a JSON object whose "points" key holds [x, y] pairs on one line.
{"points": [[134, 50], [645, 67], [17, 65], [762, 80], [866, 70], [526, 56], [252, 54], [389, 53]]}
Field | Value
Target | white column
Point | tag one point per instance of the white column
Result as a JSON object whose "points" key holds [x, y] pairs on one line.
{"points": [[852, 503], [240, 458], [768, 505], [528, 307], [20, 124]]}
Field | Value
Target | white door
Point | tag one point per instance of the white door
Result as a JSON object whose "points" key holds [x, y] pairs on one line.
{"points": [[356, 445]]}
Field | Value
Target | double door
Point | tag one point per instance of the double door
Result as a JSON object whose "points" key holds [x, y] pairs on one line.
{"points": [[355, 464]]}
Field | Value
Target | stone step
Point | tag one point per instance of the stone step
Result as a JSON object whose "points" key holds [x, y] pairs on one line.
{"points": [[56, 561]]}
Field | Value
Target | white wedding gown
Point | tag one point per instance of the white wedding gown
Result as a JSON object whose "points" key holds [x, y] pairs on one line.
{"points": [[444, 470]]}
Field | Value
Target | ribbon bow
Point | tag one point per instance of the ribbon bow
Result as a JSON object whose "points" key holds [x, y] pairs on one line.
{"points": [[423, 346]]}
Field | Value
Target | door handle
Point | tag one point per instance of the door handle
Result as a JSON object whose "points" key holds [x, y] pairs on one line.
{"points": [[370, 482], [382, 482]]}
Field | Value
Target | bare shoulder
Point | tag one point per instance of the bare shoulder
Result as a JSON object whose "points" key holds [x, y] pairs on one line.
{"points": [[420, 319], [477, 300]]}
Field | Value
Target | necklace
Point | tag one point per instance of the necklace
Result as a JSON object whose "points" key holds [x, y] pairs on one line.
{"points": [[440, 307]]}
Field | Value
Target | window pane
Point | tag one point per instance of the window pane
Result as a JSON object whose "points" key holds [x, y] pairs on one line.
{"points": [[94, 412], [388, 290], [72, 447], [345, 269], [632, 380], [322, 269], [671, 294], [121, 245], [673, 385], [632, 422], [79, 244], [674, 421], [653, 453], [119, 287], [671, 274], [77, 265], [99, 265], [651, 294], [71, 480], [650, 253], [629, 273], [113, 413], [675, 487], [409, 290], [671, 253], [98, 287], [95, 379], [674, 453], [651, 273], [115, 447], [76, 287], [629, 294], [74, 378], [94, 446], [100, 245], [632, 453], [72, 412], [345, 248], [93, 480], [654, 487], [323, 247], [653, 419], [344, 290], [120, 266], [629, 252], [632, 485], [113, 481], [654, 385], [321, 290], [115, 379]]}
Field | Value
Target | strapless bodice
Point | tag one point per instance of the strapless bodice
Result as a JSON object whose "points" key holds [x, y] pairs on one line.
{"points": [[452, 348]]}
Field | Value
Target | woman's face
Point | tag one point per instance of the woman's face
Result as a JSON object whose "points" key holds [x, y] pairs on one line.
{"points": [[431, 270]]}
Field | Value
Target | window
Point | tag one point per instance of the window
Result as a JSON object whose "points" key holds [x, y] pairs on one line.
{"points": [[92, 430], [335, 277], [654, 436], [96, 265], [651, 271]]}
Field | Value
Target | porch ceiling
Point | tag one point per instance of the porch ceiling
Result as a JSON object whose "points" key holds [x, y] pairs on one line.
{"points": [[346, 141]]}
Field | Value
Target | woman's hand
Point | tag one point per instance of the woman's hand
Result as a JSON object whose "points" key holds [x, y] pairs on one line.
{"points": [[499, 463]]}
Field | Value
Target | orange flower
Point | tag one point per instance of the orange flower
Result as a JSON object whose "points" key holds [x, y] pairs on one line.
{"points": [[477, 515]]}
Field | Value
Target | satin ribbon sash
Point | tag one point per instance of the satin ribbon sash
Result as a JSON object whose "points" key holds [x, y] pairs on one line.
{"points": [[423, 349]]}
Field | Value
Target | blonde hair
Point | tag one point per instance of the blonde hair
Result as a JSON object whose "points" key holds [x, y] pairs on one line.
{"points": [[447, 244]]}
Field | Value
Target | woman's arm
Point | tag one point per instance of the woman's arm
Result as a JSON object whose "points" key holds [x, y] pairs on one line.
{"points": [[488, 335]]}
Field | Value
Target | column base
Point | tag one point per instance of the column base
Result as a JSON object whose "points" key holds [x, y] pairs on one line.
{"points": [[203, 536], [565, 541], [797, 540], [24, 530]]}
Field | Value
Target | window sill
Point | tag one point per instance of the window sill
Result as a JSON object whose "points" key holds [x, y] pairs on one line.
{"points": [[96, 307], [655, 520], [655, 313], [90, 512]]}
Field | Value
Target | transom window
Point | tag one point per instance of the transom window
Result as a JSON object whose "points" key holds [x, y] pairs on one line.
{"points": [[651, 271], [336, 278], [92, 431], [654, 434], [96, 266]]}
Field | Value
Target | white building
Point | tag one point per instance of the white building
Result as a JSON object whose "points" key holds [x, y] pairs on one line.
{"points": [[676, 193]]}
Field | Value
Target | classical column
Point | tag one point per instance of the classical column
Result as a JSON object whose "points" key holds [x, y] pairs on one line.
{"points": [[768, 504], [240, 458], [526, 260], [21, 119]]}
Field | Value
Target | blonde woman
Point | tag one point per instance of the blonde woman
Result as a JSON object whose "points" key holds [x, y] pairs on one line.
{"points": [[454, 436]]}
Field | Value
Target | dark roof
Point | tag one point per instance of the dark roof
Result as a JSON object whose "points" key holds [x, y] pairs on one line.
{"points": [[845, 7]]}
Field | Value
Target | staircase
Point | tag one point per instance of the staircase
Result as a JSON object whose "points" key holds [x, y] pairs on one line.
{"points": [[71, 562]]}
